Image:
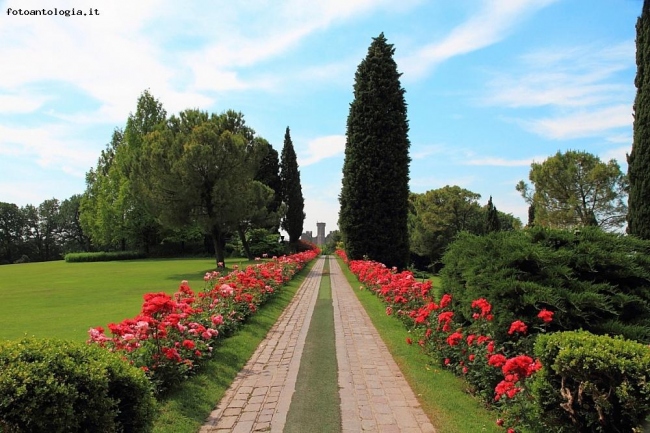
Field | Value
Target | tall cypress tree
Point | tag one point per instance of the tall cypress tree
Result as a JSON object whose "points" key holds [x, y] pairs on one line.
{"points": [[269, 174], [492, 223], [374, 198], [638, 216], [291, 191]]}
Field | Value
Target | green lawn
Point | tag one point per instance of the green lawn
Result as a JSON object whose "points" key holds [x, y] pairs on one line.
{"points": [[59, 299]]}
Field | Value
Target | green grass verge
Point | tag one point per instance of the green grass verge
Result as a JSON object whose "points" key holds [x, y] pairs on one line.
{"points": [[63, 300], [315, 406], [441, 394], [185, 409]]}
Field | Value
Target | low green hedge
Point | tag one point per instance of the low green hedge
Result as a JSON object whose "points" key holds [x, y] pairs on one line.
{"points": [[591, 383], [103, 256], [61, 386]]}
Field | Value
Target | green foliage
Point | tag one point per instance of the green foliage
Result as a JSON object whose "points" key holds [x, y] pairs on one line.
{"points": [[591, 279], [11, 229], [492, 222], [269, 174], [374, 199], [60, 386], [103, 256], [438, 215], [200, 168], [291, 191], [591, 383], [638, 217], [576, 189], [261, 242]]}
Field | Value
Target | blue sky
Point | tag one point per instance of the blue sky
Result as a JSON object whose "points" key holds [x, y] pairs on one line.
{"points": [[491, 86]]}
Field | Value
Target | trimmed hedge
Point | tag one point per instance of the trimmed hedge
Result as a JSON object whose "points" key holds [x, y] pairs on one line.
{"points": [[103, 256], [591, 383], [61, 386]]}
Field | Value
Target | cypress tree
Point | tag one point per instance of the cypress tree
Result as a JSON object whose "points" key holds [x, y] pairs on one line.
{"points": [[492, 223], [374, 198], [638, 216], [269, 174], [291, 191]]}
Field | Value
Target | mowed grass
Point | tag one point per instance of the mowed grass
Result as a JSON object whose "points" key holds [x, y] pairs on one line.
{"points": [[64, 300], [315, 406]]}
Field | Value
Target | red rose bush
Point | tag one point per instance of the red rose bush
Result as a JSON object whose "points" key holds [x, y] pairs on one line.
{"points": [[173, 333]]}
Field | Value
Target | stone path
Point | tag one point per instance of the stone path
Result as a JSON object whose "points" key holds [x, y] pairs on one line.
{"points": [[374, 395]]}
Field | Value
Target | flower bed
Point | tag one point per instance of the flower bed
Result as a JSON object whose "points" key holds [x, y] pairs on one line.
{"points": [[591, 383], [497, 371], [174, 333]]}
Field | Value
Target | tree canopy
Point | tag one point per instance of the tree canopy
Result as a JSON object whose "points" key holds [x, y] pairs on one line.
{"points": [[638, 216], [201, 167], [575, 189], [291, 191], [373, 217]]}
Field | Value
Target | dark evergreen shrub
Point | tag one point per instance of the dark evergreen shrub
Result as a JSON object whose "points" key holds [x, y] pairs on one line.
{"points": [[592, 280]]}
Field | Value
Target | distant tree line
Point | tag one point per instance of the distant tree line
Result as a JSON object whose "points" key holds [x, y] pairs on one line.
{"points": [[40, 233], [165, 185]]}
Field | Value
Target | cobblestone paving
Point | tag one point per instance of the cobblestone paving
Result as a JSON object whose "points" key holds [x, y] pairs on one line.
{"points": [[375, 397]]}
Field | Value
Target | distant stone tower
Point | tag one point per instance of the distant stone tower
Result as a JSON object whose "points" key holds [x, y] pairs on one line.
{"points": [[320, 236]]}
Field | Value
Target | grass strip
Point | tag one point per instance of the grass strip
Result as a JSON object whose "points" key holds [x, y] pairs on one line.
{"points": [[441, 394], [185, 409], [315, 405]]}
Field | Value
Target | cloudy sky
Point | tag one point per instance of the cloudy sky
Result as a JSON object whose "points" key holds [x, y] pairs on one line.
{"points": [[491, 85]]}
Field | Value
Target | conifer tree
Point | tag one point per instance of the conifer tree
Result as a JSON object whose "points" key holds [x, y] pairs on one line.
{"points": [[492, 223], [374, 198], [638, 216], [291, 191]]}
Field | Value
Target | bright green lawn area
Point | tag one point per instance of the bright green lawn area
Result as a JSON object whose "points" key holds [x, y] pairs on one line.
{"points": [[63, 300]]}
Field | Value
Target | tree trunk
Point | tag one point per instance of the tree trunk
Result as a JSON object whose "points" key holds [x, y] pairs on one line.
{"points": [[217, 241], [244, 242]]}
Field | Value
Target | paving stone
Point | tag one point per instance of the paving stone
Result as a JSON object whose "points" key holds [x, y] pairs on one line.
{"points": [[374, 394]]}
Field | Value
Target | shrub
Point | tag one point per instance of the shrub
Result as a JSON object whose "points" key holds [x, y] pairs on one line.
{"points": [[593, 280], [61, 386], [103, 256], [591, 383]]}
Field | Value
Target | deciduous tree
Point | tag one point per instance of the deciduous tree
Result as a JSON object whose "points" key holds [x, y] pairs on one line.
{"points": [[574, 189], [439, 215], [199, 168]]}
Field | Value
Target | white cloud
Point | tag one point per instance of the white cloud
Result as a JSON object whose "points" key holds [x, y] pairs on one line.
{"points": [[582, 123], [422, 152], [619, 154], [493, 22], [321, 148], [21, 102], [49, 146], [503, 162], [569, 77]]}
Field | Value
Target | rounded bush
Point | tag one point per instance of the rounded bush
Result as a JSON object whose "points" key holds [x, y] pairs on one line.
{"points": [[63, 386], [591, 383]]}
